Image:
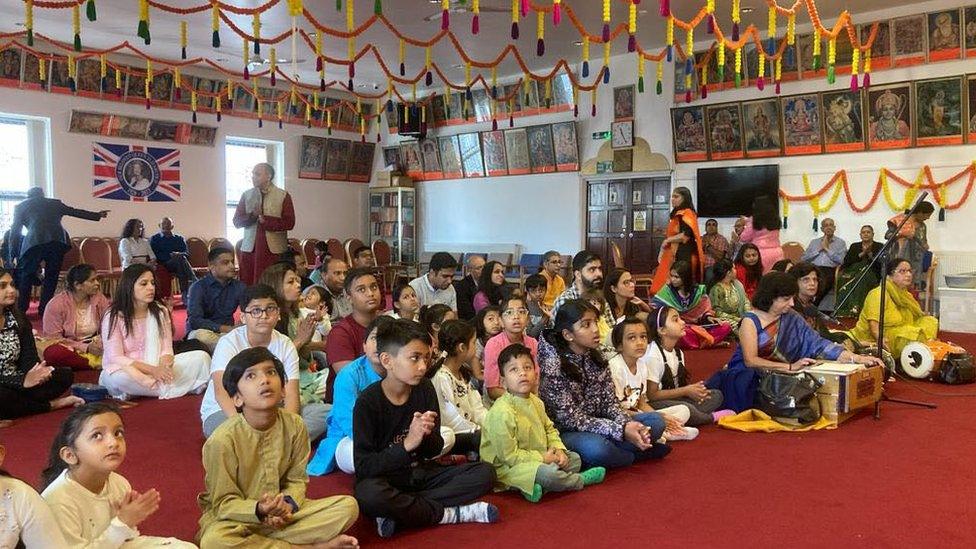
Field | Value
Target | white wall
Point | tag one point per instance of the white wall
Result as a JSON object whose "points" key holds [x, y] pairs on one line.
{"points": [[323, 208], [545, 211]]}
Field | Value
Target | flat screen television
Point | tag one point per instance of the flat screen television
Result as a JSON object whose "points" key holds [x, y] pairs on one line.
{"points": [[729, 192]]}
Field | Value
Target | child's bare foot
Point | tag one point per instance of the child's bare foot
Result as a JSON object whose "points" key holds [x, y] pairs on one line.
{"points": [[338, 542], [66, 401]]}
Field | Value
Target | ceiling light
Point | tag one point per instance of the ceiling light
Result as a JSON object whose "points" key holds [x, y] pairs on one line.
{"points": [[221, 59], [642, 12], [746, 9], [578, 43], [458, 66], [313, 34]]}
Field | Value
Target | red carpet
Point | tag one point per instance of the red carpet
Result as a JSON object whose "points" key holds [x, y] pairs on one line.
{"points": [[893, 482]]}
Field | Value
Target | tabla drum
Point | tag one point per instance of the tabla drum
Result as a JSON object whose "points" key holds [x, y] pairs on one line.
{"points": [[923, 360]]}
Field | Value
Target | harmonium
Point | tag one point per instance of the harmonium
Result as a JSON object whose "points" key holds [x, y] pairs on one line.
{"points": [[846, 389]]}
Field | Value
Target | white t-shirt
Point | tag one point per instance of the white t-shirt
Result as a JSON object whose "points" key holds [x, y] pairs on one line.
{"points": [[234, 342], [428, 295], [628, 386], [655, 364], [24, 516]]}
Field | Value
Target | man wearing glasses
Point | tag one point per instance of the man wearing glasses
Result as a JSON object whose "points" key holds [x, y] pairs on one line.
{"points": [[260, 313]]}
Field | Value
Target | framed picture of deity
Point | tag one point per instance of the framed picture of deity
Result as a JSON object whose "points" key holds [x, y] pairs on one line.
{"points": [[763, 132], [471, 160], [970, 34], [801, 124], [908, 40], [312, 162], [450, 157], [392, 159], [843, 121], [623, 103], [938, 112], [805, 49], [889, 116], [410, 152], [723, 124], [541, 156], [493, 145], [361, 161], [517, 151], [10, 66], [688, 130], [566, 146], [33, 79], [89, 80], [439, 109], [945, 35], [881, 47], [432, 160], [59, 76], [337, 159], [971, 126]]}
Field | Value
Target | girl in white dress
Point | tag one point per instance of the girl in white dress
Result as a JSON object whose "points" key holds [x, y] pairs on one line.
{"points": [[24, 515]]}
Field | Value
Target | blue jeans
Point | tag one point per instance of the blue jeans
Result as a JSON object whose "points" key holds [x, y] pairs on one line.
{"points": [[599, 451]]}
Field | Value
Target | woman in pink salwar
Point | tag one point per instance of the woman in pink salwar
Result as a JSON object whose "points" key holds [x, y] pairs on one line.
{"points": [[762, 229], [702, 328]]}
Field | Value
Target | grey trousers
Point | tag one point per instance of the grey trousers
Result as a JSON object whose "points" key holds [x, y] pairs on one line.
{"points": [[554, 479], [701, 412], [314, 415]]}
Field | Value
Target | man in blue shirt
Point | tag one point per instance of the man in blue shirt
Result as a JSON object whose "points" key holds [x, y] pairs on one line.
{"points": [[213, 299], [171, 252], [827, 253]]}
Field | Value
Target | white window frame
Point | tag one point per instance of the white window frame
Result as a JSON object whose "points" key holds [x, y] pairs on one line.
{"points": [[39, 159]]}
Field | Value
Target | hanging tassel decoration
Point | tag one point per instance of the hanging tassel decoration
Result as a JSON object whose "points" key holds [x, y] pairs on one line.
{"points": [[143, 28], [177, 81], [575, 103], [606, 21], [429, 75], [193, 105], [378, 7], [445, 14], [738, 67], [217, 106], [279, 107], [103, 72], [665, 6], [736, 19], [778, 73], [256, 28], [593, 103], [704, 81], [76, 26], [90, 10], [790, 39], [215, 26], [29, 21], [606, 62], [494, 83], [71, 73], [669, 38], [817, 41], [855, 62], [710, 10], [761, 79], [274, 66], [515, 19], [640, 73], [118, 82], [42, 70], [720, 53], [659, 85], [585, 71], [247, 60], [402, 55], [632, 27], [771, 31], [524, 8], [831, 59], [476, 18], [540, 34], [816, 225], [866, 81], [557, 12]]}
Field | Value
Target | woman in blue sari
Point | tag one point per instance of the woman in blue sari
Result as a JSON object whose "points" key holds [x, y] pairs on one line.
{"points": [[774, 337]]}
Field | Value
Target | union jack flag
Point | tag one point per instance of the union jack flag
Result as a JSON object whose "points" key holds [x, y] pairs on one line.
{"points": [[136, 173]]}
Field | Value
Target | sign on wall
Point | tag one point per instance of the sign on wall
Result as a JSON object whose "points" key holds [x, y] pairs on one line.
{"points": [[136, 173]]}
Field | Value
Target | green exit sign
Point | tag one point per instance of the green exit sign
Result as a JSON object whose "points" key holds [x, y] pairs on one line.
{"points": [[601, 135]]}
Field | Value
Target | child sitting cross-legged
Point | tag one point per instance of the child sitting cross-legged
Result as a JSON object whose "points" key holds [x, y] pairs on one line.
{"points": [[514, 318], [397, 433], [94, 505], [255, 469], [630, 382], [520, 440], [461, 407]]}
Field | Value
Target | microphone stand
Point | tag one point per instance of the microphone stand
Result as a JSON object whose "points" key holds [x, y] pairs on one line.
{"points": [[880, 259]]}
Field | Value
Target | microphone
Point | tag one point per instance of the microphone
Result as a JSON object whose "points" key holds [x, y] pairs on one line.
{"points": [[812, 310]]}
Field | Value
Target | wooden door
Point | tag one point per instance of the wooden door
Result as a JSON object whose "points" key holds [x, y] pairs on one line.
{"points": [[608, 212]]}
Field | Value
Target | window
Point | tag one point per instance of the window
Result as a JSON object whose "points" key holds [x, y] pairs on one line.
{"points": [[240, 157], [21, 165]]}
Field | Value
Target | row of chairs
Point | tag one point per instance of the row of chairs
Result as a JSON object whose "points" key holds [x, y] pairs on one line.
{"points": [[515, 271]]}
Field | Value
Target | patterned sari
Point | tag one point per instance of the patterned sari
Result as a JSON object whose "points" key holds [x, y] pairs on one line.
{"points": [[694, 308], [787, 339], [680, 220]]}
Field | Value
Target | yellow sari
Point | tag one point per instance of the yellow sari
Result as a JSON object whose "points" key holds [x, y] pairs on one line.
{"points": [[904, 320]]}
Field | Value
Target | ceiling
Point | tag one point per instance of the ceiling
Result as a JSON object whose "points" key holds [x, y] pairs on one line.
{"points": [[117, 21]]}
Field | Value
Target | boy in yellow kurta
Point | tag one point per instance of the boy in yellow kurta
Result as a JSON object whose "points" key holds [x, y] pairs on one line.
{"points": [[255, 470], [520, 441]]}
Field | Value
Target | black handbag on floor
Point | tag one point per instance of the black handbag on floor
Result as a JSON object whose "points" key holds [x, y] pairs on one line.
{"points": [[957, 369], [790, 397]]}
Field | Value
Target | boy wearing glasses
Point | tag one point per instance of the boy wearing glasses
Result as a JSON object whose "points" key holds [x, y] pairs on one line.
{"points": [[259, 313], [515, 316]]}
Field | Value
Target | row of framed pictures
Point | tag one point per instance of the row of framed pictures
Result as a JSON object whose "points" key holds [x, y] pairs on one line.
{"points": [[134, 127], [336, 159], [530, 100], [943, 35], [21, 69], [545, 148], [938, 111]]}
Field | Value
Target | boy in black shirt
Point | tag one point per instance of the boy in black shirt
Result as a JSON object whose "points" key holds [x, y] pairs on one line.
{"points": [[396, 434]]}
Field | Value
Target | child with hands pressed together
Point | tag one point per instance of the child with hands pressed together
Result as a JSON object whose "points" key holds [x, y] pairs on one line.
{"points": [[94, 506], [255, 470], [397, 434], [630, 383], [520, 440], [667, 377]]}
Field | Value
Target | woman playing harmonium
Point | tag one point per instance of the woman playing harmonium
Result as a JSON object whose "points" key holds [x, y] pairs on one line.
{"points": [[774, 337], [905, 321]]}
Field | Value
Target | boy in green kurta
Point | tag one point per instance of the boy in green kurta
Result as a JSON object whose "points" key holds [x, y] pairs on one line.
{"points": [[520, 441], [255, 470]]}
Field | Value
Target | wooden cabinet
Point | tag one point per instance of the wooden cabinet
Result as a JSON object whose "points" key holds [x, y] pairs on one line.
{"points": [[631, 213]]}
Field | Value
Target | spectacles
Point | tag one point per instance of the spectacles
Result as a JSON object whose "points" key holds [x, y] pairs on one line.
{"points": [[257, 312], [904, 271], [513, 312], [628, 282]]}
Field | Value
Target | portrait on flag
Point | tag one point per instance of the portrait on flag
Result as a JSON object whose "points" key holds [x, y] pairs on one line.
{"points": [[136, 173]]}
